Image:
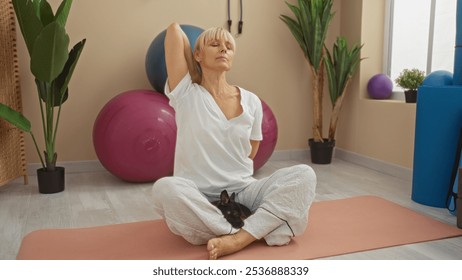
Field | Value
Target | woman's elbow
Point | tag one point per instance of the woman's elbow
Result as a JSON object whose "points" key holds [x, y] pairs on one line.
{"points": [[255, 145], [173, 26]]}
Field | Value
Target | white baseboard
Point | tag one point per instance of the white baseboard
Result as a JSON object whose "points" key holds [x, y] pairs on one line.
{"points": [[371, 163], [375, 164], [300, 155]]}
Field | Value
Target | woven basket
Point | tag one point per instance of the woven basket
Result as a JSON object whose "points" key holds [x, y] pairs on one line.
{"points": [[12, 152]]}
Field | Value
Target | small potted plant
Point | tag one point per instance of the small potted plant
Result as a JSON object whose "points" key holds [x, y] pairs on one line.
{"points": [[52, 65], [410, 80]]}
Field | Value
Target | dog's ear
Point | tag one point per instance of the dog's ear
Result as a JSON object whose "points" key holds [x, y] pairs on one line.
{"points": [[224, 197], [233, 195]]}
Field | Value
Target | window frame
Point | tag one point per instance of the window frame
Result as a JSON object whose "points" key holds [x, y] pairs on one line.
{"points": [[398, 93]]}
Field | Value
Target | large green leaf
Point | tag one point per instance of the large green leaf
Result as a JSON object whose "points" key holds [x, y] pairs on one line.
{"points": [[294, 10], [62, 81], [331, 77], [36, 4], [14, 117], [28, 21], [63, 12], [296, 31], [50, 52], [60, 85], [306, 28], [45, 12]]}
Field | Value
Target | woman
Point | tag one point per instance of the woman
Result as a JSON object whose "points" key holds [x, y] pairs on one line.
{"points": [[219, 131]]}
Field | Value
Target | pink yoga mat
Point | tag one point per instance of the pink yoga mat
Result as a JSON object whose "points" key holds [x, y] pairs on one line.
{"points": [[335, 227]]}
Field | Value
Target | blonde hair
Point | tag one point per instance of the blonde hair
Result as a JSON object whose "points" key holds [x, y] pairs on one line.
{"points": [[213, 34]]}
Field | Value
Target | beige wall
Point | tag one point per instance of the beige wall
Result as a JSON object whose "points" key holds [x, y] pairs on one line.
{"points": [[268, 62], [383, 130]]}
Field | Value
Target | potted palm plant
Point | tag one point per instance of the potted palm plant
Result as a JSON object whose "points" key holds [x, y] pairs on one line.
{"points": [[52, 65], [410, 80], [309, 28], [341, 65]]}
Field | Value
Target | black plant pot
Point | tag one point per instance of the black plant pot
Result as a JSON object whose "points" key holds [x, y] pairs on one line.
{"points": [[321, 152], [50, 181], [410, 96]]}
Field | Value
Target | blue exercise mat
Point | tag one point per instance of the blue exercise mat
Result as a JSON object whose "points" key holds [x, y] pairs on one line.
{"points": [[438, 124]]}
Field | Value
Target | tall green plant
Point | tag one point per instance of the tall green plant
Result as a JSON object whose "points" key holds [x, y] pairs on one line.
{"points": [[340, 67], [309, 28], [51, 63]]}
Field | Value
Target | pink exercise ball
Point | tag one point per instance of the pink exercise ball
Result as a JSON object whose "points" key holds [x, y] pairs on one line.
{"points": [[134, 136], [270, 137]]}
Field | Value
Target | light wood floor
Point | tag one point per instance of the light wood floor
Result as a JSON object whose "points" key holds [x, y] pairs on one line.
{"points": [[98, 198]]}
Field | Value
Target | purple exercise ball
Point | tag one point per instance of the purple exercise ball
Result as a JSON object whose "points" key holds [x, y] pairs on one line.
{"points": [[270, 137], [380, 86], [134, 136]]}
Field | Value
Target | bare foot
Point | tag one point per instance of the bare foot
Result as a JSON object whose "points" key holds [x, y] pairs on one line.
{"points": [[228, 244]]}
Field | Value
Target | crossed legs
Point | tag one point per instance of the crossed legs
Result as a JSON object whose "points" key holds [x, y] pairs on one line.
{"points": [[280, 204]]}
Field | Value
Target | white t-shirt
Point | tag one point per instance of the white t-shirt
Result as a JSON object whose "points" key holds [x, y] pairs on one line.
{"points": [[211, 150]]}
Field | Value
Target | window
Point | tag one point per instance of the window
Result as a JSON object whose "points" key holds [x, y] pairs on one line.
{"points": [[421, 34]]}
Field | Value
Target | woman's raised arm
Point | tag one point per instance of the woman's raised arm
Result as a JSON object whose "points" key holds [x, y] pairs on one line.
{"points": [[178, 56]]}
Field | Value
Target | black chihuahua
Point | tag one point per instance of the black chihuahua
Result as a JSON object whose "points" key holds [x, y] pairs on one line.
{"points": [[235, 213]]}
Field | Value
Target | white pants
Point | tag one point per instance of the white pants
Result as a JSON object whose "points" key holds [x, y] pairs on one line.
{"points": [[280, 204]]}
